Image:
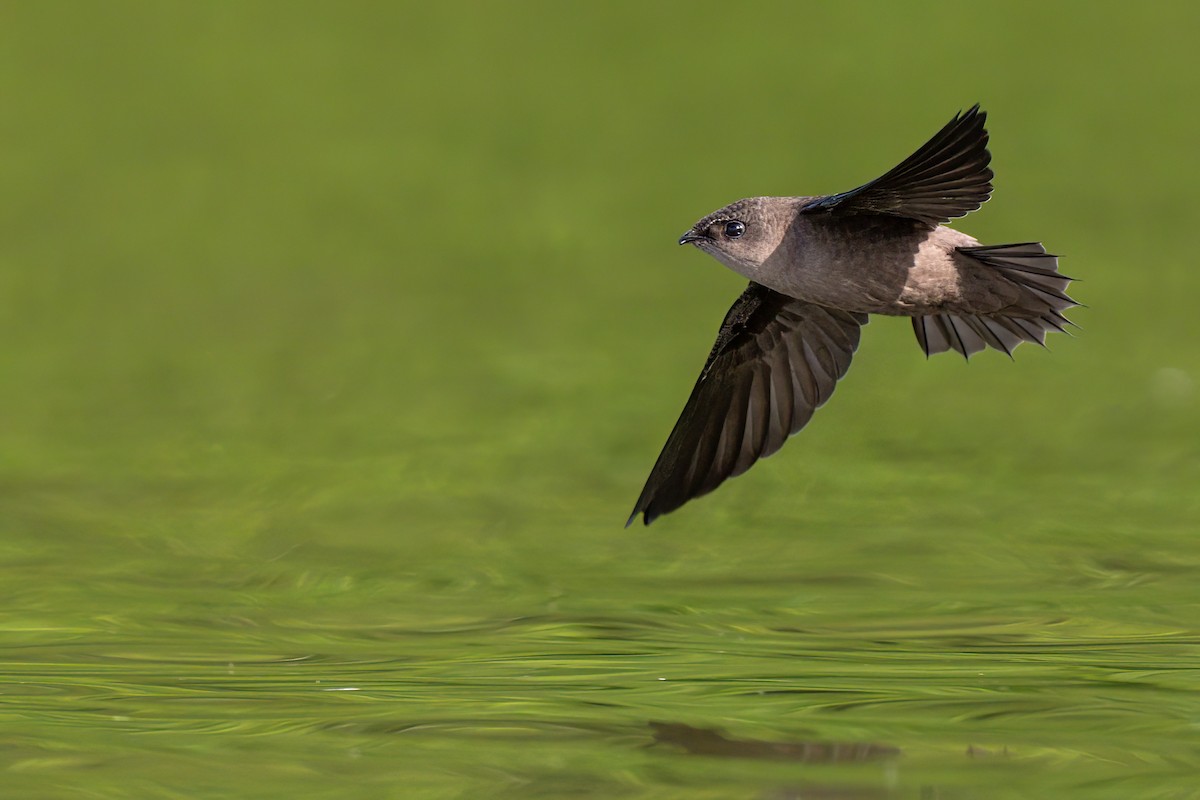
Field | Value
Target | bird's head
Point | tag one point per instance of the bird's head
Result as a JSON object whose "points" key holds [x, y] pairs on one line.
{"points": [[744, 234]]}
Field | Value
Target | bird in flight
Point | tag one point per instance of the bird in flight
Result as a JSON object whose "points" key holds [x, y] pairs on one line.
{"points": [[817, 267]]}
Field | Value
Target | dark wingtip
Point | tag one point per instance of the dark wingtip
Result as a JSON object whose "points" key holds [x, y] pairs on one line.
{"points": [[971, 114], [946, 178]]}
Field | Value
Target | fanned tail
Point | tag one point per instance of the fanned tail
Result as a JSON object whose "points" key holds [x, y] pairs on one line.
{"points": [[1038, 310]]}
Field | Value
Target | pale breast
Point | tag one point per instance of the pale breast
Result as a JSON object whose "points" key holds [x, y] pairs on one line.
{"points": [[873, 264]]}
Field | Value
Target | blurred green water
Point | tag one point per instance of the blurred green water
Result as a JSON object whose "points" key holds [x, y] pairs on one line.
{"points": [[339, 340]]}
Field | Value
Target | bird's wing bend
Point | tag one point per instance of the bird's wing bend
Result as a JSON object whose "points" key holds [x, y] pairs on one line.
{"points": [[775, 361], [947, 178]]}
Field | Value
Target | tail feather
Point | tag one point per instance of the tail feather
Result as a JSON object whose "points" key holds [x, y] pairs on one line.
{"points": [[996, 336], [1043, 298]]}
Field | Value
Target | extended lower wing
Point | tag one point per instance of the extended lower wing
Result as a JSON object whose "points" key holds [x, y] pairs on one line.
{"points": [[776, 359]]}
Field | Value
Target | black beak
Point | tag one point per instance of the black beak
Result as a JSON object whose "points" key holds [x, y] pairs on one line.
{"points": [[691, 236]]}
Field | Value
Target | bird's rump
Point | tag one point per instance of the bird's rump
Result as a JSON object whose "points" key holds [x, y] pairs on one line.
{"points": [[1041, 299]]}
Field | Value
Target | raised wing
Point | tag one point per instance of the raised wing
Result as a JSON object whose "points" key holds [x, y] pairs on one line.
{"points": [[775, 361], [947, 178]]}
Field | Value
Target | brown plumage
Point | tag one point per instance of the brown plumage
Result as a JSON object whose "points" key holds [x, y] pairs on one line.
{"points": [[818, 266]]}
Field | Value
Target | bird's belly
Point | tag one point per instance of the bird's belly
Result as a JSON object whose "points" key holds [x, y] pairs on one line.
{"points": [[906, 276]]}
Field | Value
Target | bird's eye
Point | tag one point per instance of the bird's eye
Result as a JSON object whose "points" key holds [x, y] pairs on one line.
{"points": [[734, 229]]}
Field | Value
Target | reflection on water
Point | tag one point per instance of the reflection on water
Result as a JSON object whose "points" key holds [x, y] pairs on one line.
{"points": [[711, 742]]}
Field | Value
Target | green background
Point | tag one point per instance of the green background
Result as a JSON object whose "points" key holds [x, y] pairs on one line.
{"points": [[336, 341]]}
